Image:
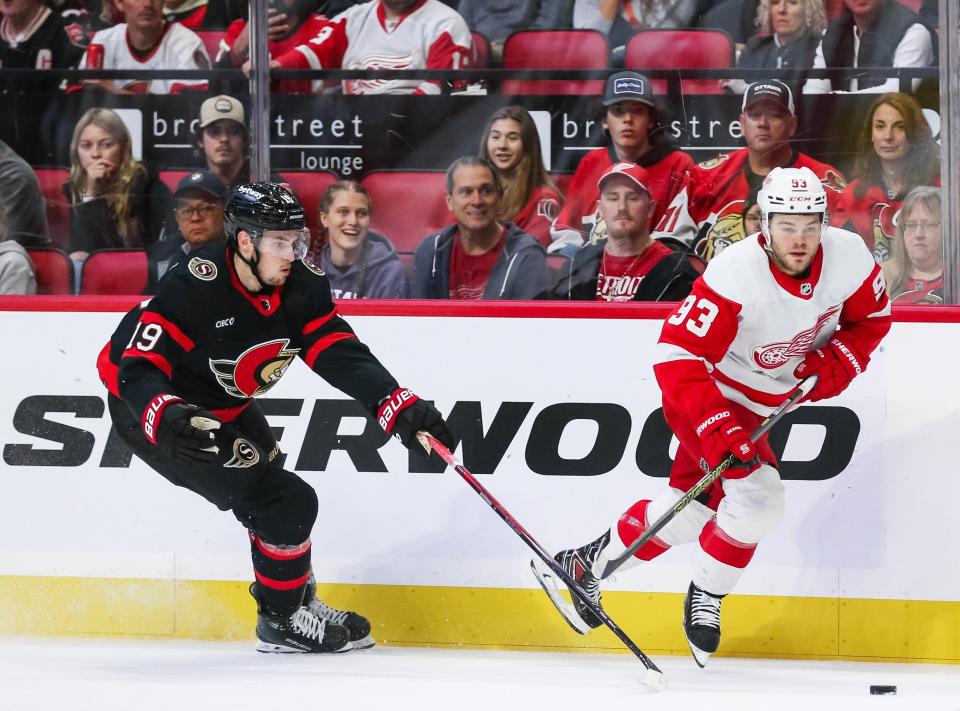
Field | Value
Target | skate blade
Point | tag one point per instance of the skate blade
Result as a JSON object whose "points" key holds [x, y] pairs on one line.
{"points": [[273, 648], [548, 581], [699, 656], [358, 645]]}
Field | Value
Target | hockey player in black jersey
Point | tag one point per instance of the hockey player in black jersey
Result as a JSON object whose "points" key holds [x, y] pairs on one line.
{"points": [[183, 370]]}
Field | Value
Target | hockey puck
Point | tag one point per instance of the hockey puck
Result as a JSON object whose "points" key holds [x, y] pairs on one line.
{"points": [[880, 690]]}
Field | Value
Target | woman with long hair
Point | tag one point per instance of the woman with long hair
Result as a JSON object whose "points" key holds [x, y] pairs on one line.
{"points": [[115, 201], [914, 272], [895, 154], [511, 145], [359, 264]]}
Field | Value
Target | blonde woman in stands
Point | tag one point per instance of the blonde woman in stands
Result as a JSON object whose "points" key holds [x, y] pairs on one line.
{"points": [[115, 201], [530, 200], [914, 272]]}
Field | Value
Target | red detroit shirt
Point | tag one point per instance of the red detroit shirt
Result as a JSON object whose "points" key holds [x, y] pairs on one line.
{"points": [[620, 277], [469, 274]]}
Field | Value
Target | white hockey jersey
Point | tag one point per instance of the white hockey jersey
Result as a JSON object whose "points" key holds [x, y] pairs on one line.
{"points": [[746, 326], [179, 48], [429, 36]]}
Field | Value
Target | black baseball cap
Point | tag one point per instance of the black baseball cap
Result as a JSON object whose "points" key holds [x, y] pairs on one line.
{"points": [[628, 86], [201, 181], [772, 90]]}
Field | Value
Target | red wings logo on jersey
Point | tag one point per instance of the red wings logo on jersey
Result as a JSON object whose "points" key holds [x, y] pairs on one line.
{"points": [[777, 354], [257, 370], [377, 61]]}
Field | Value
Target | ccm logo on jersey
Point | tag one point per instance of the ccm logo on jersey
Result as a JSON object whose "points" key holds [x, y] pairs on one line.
{"points": [[712, 420], [152, 414], [389, 409]]}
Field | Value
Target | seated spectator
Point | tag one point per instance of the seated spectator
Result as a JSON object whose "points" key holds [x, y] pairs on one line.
{"points": [[199, 200], [636, 133], [731, 229], [873, 33], [22, 200], [751, 214], [914, 272], [198, 14], [628, 264], [496, 19], [147, 41], [788, 32], [222, 136], [711, 204], [115, 201], [17, 273], [360, 264], [619, 19], [895, 154], [379, 34], [511, 145], [477, 257], [34, 37]]}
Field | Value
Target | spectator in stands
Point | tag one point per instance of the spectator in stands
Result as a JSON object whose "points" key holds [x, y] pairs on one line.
{"points": [[710, 206], [751, 214], [873, 33], [788, 33], [115, 201], [896, 153], [914, 272], [511, 144], [496, 19], [34, 37], [619, 19], [379, 34], [360, 264], [147, 41], [635, 132], [627, 264], [477, 257], [198, 208], [22, 200], [17, 273], [199, 14], [222, 136]]}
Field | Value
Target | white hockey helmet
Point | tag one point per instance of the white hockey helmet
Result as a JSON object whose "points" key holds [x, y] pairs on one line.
{"points": [[791, 191]]}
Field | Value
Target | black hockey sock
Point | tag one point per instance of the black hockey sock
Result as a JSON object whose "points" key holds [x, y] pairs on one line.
{"points": [[282, 573]]}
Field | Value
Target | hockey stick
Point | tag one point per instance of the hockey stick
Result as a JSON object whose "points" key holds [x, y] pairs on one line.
{"points": [[654, 677], [711, 476]]}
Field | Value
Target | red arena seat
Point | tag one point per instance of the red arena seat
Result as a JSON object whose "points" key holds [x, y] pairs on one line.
{"points": [[54, 271], [554, 49], [681, 49], [114, 271], [479, 51], [58, 209], [309, 187], [408, 205]]}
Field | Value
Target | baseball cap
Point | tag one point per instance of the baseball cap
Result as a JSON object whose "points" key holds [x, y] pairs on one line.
{"points": [[221, 107], [771, 90], [628, 86], [204, 182], [632, 171]]}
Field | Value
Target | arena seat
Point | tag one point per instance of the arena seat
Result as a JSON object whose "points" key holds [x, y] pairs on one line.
{"points": [[58, 209], [479, 51], [554, 49], [114, 271], [309, 186], [681, 49], [54, 271], [407, 205], [211, 40]]}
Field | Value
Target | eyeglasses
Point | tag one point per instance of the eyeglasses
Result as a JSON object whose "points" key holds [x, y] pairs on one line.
{"points": [[186, 212], [913, 226]]}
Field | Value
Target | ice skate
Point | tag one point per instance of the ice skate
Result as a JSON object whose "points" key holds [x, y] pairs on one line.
{"points": [[701, 623], [577, 563], [357, 625], [302, 632]]}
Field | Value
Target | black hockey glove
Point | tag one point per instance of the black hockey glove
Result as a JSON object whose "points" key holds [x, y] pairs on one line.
{"points": [[185, 432], [403, 414]]}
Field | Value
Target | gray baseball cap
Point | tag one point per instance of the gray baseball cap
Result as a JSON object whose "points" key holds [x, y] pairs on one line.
{"points": [[628, 86]]}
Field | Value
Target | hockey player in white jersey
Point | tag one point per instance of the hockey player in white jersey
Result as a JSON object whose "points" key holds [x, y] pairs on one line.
{"points": [[797, 299]]}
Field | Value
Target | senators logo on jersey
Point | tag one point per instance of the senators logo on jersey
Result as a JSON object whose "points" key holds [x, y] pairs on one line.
{"points": [[884, 229], [776, 354], [257, 370]]}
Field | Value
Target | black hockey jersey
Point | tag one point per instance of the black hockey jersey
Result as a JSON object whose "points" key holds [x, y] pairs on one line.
{"points": [[206, 339], [50, 44]]}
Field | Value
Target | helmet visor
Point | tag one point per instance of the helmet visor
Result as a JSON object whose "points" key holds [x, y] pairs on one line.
{"points": [[286, 244]]}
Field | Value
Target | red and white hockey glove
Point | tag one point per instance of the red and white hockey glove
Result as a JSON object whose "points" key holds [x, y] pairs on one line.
{"points": [[835, 365], [403, 414], [185, 432], [720, 434]]}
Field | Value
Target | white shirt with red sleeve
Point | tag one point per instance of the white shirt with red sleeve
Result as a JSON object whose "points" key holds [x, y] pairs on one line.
{"points": [[746, 326], [429, 36], [178, 48]]}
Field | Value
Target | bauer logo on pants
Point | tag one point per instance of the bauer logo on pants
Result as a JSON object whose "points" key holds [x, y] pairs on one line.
{"points": [[244, 455]]}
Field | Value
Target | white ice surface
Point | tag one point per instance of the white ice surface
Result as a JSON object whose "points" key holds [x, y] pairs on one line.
{"points": [[110, 675]]}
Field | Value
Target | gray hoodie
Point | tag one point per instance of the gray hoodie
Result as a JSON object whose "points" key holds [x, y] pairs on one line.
{"points": [[377, 274], [17, 274]]}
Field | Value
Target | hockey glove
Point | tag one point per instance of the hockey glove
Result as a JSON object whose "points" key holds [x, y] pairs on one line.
{"points": [[720, 434], [835, 365], [185, 432], [403, 414]]}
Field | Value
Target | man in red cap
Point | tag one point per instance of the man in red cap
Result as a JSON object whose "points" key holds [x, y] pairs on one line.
{"points": [[627, 264]]}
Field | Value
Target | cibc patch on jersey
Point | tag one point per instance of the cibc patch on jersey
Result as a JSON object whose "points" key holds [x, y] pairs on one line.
{"points": [[257, 370], [202, 269]]}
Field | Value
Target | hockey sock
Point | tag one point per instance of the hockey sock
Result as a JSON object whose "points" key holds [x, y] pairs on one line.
{"points": [[282, 573], [629, 527], [721, 560]]}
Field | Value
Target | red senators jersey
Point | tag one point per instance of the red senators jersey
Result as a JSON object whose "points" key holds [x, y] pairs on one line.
{"points": [[746, 325], [537, 216], [429, 36], [707, 210], [666, 168]]}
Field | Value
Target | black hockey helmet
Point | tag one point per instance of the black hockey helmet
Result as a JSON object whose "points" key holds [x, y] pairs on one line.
{"points": [[255, 207]]}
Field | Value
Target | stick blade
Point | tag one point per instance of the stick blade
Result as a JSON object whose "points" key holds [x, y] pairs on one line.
{"points": [[549, 582], [654, 679]]}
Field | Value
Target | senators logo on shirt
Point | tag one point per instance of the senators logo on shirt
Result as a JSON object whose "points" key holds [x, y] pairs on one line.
{"points": [[257, 370], [884, 229], [776, 354]]}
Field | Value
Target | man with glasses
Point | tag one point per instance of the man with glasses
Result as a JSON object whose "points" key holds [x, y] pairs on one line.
{"points": [[183, 369]]}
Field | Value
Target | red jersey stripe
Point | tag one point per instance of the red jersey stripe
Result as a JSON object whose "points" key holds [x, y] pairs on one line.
{"points": [[323, 344]]}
